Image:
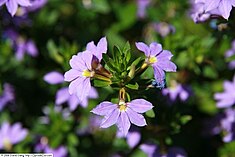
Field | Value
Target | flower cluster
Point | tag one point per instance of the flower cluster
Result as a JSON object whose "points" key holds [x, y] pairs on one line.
{"points": [[86, 66]]}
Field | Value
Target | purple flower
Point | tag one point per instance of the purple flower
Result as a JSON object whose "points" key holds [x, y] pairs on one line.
{"points": [[11, 135], [63, 94], [12, 5], [99, 49], [21, 45], [7, 95], [141, 7], [176, 90], [123, 114], [228, 125], [60, 151], [230, 53], [227, 98], [80, 75], [158, 58], [153, 151], [163, 28]]}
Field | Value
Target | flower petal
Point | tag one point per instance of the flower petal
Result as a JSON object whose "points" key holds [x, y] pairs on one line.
{"points": [[93, 94], [53, 77], [211, 4], [140, 105], [87, 59], [225, 8], [72, 74], [166, 65], [104, 108], [62, 96], [123, 123], [76, 62], [159, 74], [75, 84], [73, 102], [24, 3], [83, 89], [136, 118], [110, 119], [12, 6], [2, 2], [155, 49], [143, 47]]}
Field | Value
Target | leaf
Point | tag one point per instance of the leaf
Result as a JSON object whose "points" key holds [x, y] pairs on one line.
{"points": [[131, 86], [150, 113], [185, 119], [101, 83], [127, 52]]}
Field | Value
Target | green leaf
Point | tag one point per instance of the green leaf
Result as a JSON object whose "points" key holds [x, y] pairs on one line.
{"points": [[185, 119], [72, 139], [53, 52], [127, 52], [131, 86], [150, 113], [101, 83]]}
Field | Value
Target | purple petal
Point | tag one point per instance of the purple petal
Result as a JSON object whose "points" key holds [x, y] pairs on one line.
{"points": [[101, 48], [74, 85], [2, 2], [31, 48], [225, 7], [159, 74], [77, 62], [104, 108], [62, 96], [87, 59], [84, 102], [91, 46], [72, 74], [17, 133], [164, 55], [140, 105], [123, 123], [83, 89], [93, 94], [211, 4], [143, 47], [5, 128], [110, 119], [24, 3], [148, 149], [133, 138], [155, 49], [54, 77], [73, 102], [12, 6], [136, 118], [166, 65]]}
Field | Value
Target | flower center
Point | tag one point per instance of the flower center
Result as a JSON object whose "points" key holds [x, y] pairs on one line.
{"points": [[7, 144], [122, 106], [152, 60], [88, 73]]}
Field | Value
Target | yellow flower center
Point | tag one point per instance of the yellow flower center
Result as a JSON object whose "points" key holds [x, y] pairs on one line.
{"points": [[152, 60], [88, 73], [122, 106], [7, 144]]}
